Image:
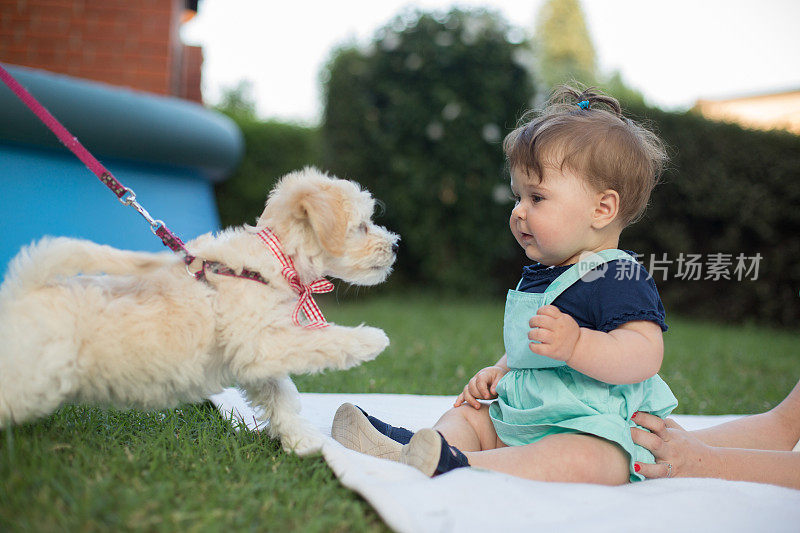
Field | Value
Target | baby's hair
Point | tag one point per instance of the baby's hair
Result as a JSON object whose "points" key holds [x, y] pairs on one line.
{"points": [[584, 130]]}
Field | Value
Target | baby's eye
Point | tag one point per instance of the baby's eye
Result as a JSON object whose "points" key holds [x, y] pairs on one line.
{"points": [[536, 198], [516, 198]]}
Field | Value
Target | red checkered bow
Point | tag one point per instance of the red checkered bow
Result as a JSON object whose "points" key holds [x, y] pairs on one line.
{"points": [[306, 302]]}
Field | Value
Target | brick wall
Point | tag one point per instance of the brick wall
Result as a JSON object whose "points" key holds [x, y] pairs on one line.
{"points": [[191, 68], [132, 43]]}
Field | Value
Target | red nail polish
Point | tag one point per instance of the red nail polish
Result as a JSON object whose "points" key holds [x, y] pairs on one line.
{"points": [[636, 467], [634, 415]]}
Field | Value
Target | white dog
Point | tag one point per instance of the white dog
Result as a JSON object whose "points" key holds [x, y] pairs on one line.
{"points": [[82, 322]]}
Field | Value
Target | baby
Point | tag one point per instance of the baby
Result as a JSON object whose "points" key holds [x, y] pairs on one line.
{"points": [[583, 328]]}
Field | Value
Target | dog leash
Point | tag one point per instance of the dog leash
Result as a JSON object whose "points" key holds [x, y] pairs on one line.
{"points": [[127, 197]]}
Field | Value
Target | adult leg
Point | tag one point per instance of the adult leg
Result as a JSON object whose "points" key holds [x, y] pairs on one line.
{"points": [[777, 429], [565, 457]]}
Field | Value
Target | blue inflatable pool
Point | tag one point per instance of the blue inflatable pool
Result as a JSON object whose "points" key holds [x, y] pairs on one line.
{"points": [[169, 151]]}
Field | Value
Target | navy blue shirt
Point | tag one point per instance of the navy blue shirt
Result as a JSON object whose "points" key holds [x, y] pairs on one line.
{"points": [[625, 292]]}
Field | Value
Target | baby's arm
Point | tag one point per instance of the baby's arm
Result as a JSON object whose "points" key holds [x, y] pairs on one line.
{"points": [[629, 354]]}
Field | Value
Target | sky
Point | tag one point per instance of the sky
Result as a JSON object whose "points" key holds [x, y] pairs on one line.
{"points": [[674, 51]]}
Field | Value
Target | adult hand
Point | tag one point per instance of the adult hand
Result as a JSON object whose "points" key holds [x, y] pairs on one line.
{"points": [[672, 445], [482, 385]]}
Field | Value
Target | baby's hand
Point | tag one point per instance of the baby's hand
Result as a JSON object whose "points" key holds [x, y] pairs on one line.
{"points": [[557, 332], [482, 385]]}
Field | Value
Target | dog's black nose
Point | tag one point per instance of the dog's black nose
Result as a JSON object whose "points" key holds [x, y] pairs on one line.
{"points": [[395, 247]]}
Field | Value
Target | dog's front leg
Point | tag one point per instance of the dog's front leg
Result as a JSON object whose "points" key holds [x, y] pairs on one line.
{"points": [[280, 402], [301, 351], [311, 350]]}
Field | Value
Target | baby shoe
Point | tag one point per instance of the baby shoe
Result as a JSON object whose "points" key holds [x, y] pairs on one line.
{"points": [[429, 452], [399, 434], [353, 428]]}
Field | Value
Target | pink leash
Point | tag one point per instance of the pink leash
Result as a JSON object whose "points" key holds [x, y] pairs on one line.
{"points": [[170, 240], [124, 194]]}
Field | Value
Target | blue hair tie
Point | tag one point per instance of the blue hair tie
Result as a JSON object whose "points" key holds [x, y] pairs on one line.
{"points": [[584, 104]]}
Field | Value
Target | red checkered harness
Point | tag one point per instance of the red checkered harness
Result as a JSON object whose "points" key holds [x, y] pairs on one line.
{"points": [[306, 302], [125, 195]]}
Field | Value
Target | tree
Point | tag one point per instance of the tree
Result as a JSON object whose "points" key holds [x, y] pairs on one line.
{"points": [[563, 51], [614, 85], [562, 45], [238, 102], [418, 118]]}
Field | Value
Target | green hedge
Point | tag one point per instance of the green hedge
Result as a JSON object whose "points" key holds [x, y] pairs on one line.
{"points": [[731, 191], [418, 118], [271, 150]]}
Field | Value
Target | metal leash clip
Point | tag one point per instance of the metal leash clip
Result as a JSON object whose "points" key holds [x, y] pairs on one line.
{"points": [[129, 198]]}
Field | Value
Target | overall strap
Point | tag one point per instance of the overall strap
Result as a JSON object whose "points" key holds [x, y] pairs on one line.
{"points": [[580, 269]]}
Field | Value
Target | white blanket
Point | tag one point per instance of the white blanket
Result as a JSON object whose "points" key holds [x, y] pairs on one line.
{"points": [[469, 499]]}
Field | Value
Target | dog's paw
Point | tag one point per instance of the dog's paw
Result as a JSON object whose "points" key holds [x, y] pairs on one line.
{"points": [[302, 441], [373, 341]]}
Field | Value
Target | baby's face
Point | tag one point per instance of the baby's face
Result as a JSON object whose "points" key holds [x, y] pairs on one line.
{"points": [[552, 219]]}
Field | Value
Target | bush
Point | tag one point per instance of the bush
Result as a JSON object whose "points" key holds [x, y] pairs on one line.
{"points": [[271, 150], [419, 119], [732, 191]]}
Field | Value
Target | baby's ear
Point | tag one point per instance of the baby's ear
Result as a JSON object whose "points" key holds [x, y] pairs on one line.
{"points": [[606, 208], [324, 209]]}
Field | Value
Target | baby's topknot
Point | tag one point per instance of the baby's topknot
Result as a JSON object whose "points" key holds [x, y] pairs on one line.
{"points": [[566, 99]]}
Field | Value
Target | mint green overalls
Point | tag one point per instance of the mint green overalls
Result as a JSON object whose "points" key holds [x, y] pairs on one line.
{"points": [[541, 396]]}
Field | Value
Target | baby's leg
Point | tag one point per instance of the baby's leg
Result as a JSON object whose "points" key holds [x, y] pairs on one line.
{"points": [[469, 429], [565, 457]]}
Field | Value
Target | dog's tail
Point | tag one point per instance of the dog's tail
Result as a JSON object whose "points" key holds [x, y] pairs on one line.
{"points": [[50, 258]]}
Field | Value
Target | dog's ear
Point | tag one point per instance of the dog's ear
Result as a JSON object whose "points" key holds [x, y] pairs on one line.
{"points": [[325, 210]]}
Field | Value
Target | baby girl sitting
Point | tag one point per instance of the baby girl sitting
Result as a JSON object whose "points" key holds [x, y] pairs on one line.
{"points": [[583, 328]]}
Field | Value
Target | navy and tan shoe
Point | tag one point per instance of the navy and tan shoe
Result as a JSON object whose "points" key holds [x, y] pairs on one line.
{"points": [[430, 453], [353, 428]]}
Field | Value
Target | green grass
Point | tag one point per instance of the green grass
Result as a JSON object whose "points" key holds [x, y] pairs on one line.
{"points": [[85, 469], [179, 470]]}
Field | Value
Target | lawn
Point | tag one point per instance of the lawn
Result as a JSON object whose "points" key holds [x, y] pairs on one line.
{"points": [[186, 469]]}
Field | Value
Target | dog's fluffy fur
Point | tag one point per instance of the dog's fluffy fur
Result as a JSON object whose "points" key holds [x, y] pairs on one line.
{"points": [[82, 322]]}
